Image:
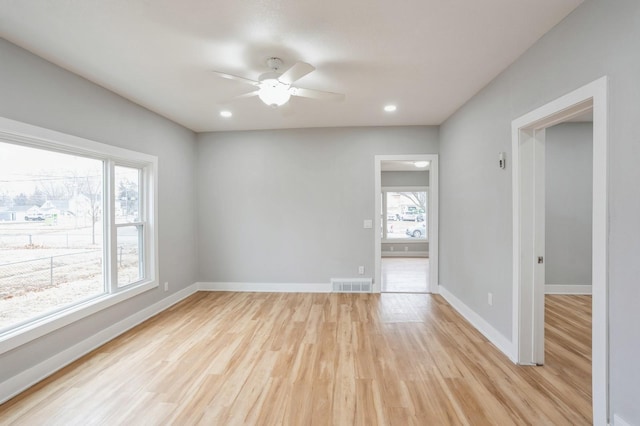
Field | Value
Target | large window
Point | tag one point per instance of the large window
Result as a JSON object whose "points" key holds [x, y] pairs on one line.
{"points": [[76, 228], [404, 214]]}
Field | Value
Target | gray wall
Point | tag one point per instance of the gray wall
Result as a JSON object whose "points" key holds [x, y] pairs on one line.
{"points": [[288, 206], [568, 203], [417, 178], [39, 93], [599, 38]]}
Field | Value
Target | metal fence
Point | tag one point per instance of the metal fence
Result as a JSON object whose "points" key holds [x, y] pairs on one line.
{"points": [[20, 277], [56, 239]]}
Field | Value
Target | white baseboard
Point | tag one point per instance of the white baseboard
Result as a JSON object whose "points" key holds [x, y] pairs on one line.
{"points": [[405, 254], [266, 287], [618, 421], [567, 289], [24, 380], [494, 336]]}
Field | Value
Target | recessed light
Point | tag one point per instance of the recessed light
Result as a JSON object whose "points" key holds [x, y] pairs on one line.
{"points": [[390, 108], [421, 164], [226, 114]]}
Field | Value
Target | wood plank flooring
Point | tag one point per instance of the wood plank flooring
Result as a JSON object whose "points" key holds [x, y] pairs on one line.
{"points": [[303, 359], [405, 274], [567, 345]]}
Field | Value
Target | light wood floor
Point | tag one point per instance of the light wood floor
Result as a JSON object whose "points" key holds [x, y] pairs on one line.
{"points": [[567, 344], [405, 274], [302, 359]]}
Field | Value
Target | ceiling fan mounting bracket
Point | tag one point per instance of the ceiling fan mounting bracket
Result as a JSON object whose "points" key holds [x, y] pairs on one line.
{"points": [[271, 75], [274, 63]]}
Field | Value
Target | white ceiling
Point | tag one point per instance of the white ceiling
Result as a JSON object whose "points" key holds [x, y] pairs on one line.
{"points": [[426, 56]]}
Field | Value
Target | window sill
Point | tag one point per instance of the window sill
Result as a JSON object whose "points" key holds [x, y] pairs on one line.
{"points": [[33, 330]]}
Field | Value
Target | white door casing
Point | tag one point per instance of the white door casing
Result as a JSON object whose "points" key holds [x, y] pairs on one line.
{"points": [[432, 232], [528, 139]]}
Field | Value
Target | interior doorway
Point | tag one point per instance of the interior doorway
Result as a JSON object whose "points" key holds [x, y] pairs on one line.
{"points": [[406, 223], [529, 231]]}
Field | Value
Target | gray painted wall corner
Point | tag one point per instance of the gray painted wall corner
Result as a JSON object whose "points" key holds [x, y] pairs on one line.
{"points": [[37, 92]]}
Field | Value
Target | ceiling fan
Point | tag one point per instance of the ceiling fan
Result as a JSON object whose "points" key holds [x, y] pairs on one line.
{"points": [[275, 88]]}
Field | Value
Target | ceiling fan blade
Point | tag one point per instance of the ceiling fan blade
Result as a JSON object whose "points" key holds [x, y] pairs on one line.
{"points": [[317, 94], [236, 78], [296, 72], [247, 95], [243, 96]]}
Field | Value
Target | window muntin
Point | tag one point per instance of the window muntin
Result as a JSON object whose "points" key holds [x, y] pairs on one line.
{"points": [[78, 178]]}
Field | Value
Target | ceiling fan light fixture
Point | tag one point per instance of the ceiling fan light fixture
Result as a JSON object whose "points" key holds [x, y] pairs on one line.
{"points": [[273, 92], [274, 88]]}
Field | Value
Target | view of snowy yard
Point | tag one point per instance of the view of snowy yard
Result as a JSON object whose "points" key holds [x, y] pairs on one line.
{"points": [[51, 231], [48, 267]]}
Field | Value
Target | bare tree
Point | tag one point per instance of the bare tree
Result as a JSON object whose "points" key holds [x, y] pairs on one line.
{"points": [[91, 187], [20, 199], [5, 199], [53, 188], [37, 198], [128, 196], [419, 199]]}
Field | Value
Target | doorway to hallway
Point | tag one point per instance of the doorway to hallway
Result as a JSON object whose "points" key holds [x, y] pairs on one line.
{"points": [[406, 223], [529, 233]]}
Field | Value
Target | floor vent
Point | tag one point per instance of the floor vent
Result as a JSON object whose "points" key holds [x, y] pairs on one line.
{"points": [[351, 285]]}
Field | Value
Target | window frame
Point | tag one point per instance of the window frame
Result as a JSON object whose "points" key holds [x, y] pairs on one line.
{"points": [[383, 192], [19, 133]]}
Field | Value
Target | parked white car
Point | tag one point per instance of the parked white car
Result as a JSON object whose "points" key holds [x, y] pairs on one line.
{"points": [[34, 217], [418, 231]]}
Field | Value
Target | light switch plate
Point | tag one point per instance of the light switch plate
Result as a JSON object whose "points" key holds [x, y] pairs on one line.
{"points": [[368, 224]]}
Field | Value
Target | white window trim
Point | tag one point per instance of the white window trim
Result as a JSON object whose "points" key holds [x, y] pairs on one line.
{"points": [[406, 188], [28, 135]]}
